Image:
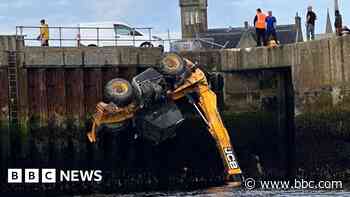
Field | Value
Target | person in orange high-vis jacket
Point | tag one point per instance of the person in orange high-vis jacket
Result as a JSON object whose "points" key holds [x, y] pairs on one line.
{"points": [[260, 27]]}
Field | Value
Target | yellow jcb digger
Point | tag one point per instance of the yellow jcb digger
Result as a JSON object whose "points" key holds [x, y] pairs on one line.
{"points": [[151, 99]]}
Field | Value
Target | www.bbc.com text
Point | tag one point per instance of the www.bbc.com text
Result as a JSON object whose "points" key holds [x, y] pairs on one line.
{"points": [[296, 184]]}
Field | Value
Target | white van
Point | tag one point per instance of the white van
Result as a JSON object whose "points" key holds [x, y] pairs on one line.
{"points": [[116, 34]]}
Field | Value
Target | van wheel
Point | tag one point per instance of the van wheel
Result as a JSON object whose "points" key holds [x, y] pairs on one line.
{"points": [[161, 48], [146, 45], [119, 91]]}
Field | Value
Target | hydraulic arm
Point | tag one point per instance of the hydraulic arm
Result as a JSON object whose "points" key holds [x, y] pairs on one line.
{"points": [[206, 106]]}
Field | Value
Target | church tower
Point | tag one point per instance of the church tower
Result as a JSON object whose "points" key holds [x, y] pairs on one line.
{"points": [[194, 17]]}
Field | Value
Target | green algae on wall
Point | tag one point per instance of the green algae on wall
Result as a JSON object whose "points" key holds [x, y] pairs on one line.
{"points": [[4, 142], [323, 140]]}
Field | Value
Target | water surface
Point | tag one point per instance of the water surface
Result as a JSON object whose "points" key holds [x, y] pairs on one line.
{"points": [[227, 191]]}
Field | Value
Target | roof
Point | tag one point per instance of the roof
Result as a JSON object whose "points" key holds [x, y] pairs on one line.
{"points": [[286, 34]]}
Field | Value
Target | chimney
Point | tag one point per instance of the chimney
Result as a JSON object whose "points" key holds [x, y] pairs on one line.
{"points": [[298, 29], [246, 25]]}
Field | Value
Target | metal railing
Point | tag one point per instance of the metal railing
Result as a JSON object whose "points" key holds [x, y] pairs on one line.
{"points": [[96, 36], [87, 36]]}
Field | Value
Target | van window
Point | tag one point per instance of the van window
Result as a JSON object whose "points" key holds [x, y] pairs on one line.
{"points": [[125, 30]]}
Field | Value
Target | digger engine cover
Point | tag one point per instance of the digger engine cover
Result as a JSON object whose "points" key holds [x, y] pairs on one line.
{"points": [[149, 87], [160, 122]]}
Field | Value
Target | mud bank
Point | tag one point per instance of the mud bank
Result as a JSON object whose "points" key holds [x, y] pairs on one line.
{"points": [[323, 145]]}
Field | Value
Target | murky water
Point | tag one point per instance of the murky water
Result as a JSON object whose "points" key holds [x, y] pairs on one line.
{"points": [[227, 191]]}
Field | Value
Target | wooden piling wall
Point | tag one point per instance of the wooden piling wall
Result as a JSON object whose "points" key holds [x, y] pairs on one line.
{"points": [[57, 92]]}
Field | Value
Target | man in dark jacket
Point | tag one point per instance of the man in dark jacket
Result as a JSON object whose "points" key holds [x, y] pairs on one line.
{"points": [[338, 23], [271, 25], [310, 23]]}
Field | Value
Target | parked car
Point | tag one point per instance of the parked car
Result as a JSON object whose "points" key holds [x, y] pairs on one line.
{"points": [[116, 34]]}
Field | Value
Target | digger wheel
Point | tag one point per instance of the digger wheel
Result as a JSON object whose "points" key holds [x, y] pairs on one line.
{"points": [[172, 64], [119, 91]]}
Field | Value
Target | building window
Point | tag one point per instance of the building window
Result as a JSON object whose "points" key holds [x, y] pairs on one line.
{"points": [[192, 18], [198, 19], [187, 18]]}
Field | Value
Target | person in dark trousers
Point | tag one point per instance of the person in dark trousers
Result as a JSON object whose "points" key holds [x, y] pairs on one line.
{"points": [[260, 27], [271, 25], [338, 23], [310, 23]]}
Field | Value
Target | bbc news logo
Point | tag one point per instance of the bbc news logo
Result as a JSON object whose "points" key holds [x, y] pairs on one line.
{"points": [[52, 175]]}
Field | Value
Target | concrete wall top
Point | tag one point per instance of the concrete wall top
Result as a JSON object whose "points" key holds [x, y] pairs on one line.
{"points": [[8, 43], [91, 56], [285, 55], [315, 64], [84, 56]]}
